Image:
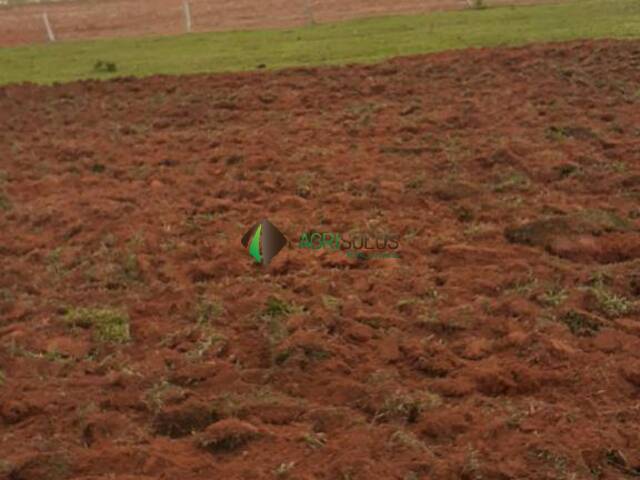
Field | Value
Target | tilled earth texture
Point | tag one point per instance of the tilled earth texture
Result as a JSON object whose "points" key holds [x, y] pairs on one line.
{"points": [[139, 340]]}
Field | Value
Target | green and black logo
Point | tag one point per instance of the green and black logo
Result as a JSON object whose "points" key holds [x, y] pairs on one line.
{"points": [[264, 241]]}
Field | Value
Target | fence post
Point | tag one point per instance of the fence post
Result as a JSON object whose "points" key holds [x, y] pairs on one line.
{"points": [[308, 11], [47, 26], [187, 15]]}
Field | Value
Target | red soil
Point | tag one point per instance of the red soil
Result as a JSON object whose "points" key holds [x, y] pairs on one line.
{"points": [[504, 343], [127, 18]]}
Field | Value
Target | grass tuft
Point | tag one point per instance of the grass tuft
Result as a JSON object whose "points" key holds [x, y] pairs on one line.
{"points": [[282, 470], [277, 307], [208, 310], [607, 302], [580, 324], [402, 439], [407, 407], [108, 325], [315, 440], [610, 304], [554, 296]]}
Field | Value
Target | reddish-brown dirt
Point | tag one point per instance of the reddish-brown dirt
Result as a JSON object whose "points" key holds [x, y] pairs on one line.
{"points": [[117, 18], [503, 344]]}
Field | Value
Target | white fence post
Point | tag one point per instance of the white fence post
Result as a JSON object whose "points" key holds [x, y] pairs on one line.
{"points": [[308, 11], [47, 25], [187, 15]]}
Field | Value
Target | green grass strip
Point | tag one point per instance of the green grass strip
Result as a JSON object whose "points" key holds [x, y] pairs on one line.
{"points": [[361, 41]]}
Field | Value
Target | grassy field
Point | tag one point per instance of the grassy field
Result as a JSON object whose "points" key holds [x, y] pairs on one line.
{"points": [[368, 40]]}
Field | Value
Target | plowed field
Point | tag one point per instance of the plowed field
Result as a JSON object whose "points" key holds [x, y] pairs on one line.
{"points": [[139, 340]]}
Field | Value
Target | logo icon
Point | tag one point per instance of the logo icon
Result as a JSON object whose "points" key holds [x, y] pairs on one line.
{"points": [[264, 241]]}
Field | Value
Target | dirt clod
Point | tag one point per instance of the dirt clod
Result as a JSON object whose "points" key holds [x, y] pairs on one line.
{"points": [[227, 435], [182, 420]]}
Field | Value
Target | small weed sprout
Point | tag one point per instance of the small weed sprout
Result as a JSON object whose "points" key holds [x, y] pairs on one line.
{"points": [[610, 304], [523, 286], [208, 310], [315, 440], [210, 339], [304, 185], [273, 314], [516, 181], [405, 439], [618, 166], [415, 183], [155, 396], [476, 230], [331, 303], [407, 407], [277, 308], [282, 470], [131, 267], [105, 67], [557, 461], [5, 204], [556, 133], [554, 296], [472, 464], [579, 323], [54, 263]]}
